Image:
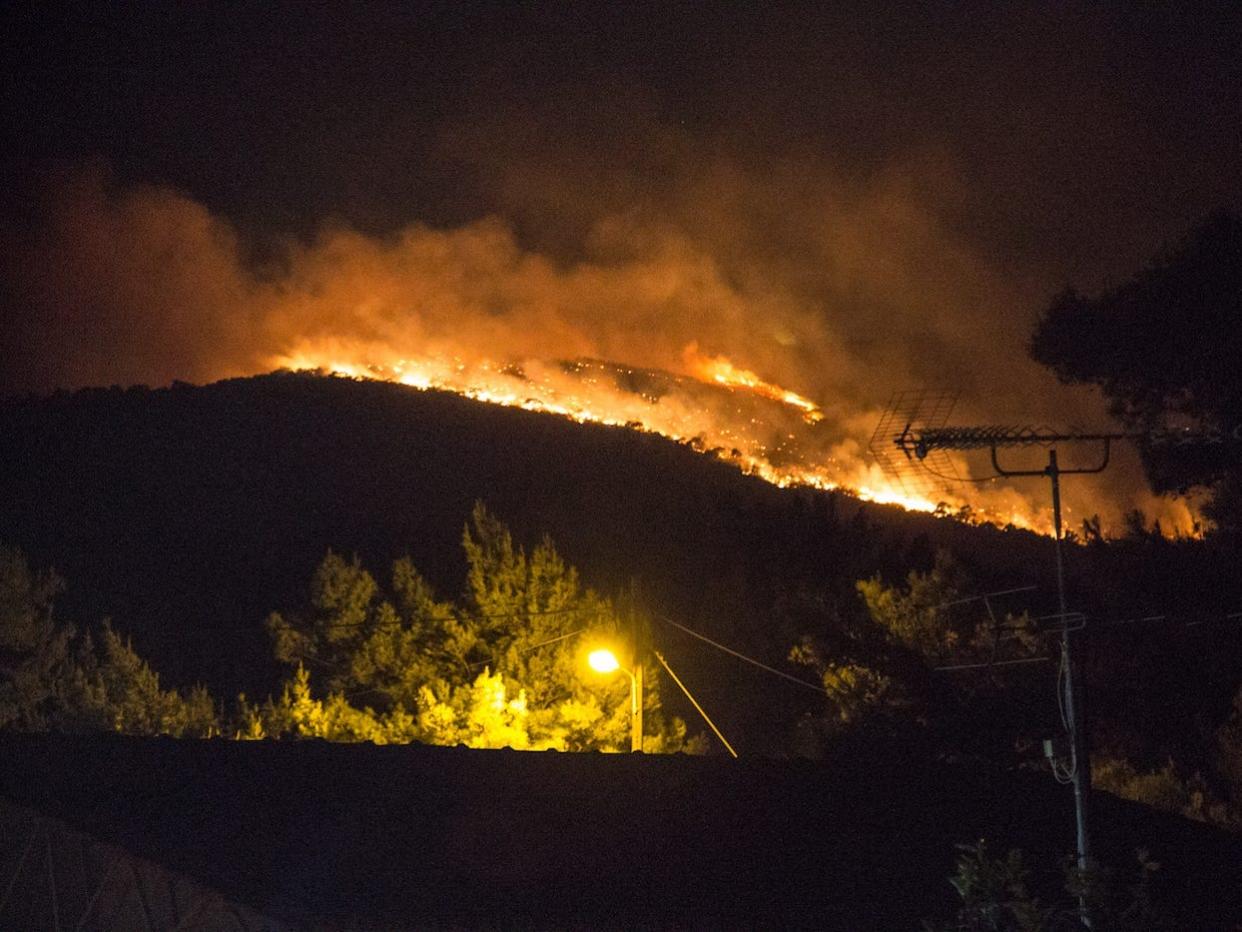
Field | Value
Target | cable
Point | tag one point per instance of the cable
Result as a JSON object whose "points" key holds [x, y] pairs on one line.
{"points": [[1235, 616], [698, 708], [997, 663], [1064, 775], [1186, 621], [743, 657], [942, 476], [489, 616], [1135, 621], [529, 648], [1061, 691], [1074, 621]]}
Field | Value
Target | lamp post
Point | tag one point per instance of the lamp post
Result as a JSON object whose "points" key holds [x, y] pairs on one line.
{"points": [[605, 661]]}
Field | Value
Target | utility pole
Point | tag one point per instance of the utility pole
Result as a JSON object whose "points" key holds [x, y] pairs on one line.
{"points": [[967, 438], [1080, 752], [636, 691], [636, 708], [932, 436], [1080, 755]]}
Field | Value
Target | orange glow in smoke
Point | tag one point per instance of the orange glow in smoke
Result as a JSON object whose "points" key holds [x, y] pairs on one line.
{"points": [[721, 371], [775, 390], [736, 417]]}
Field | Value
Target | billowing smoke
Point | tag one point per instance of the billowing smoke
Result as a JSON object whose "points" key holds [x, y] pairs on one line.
{"points": [[839, 291]]}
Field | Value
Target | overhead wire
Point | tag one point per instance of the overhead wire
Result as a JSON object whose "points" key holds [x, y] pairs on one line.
{"points": [[991, 663], [453, 617], [531, 647], [694, 702], [1234, 616], [1061, 773], [1134, 621], [743, 657]]}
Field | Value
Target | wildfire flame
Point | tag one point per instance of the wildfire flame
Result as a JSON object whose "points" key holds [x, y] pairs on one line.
{"points": [[720, 370], [717, 407], [470, 310]]}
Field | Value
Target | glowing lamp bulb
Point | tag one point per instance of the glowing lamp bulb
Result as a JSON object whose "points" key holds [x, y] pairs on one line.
{"points": [[603, 661]]}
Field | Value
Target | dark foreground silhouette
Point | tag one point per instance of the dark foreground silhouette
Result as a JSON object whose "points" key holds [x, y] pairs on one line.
{"points": [[408, 836]]}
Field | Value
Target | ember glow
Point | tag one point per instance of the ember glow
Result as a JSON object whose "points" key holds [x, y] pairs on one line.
{"points": [[719, 408], [649, 329], [718, 369]]}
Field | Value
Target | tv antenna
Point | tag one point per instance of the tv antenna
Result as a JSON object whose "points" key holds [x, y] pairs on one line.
{"points": [[931, 411], [915, 425]]}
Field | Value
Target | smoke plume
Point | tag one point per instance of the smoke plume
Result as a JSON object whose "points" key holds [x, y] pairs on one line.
{"points": [[838, 290]]}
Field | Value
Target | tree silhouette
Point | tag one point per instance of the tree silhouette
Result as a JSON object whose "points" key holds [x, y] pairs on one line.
{"points": [[1164, 348], [53, 677], [33, 649]]}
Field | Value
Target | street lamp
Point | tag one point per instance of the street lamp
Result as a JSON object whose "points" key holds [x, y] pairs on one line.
{"points": [[605, 661]]}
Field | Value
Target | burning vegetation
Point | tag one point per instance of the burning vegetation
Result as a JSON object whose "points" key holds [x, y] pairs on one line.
{"points": [[721, 410], [649, 328]]}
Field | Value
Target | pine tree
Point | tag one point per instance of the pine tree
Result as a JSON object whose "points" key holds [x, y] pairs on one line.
{"points": [[34, 650], [55, 678], [504, 667]]}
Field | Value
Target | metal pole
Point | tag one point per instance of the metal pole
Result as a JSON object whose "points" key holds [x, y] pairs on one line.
{"points": [[636, 708], [1080, 759], [922, 442], [639, 649]]}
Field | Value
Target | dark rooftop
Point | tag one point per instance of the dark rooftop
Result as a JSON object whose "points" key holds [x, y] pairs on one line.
{"points": [[317, 833]]}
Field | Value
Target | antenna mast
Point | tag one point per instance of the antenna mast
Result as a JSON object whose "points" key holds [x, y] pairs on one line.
{"points": [[934, 438], [993, 438], [930, 441]]}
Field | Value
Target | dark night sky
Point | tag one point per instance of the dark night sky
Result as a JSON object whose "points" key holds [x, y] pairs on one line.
{"points": [[847, 201], [1075, 129]]}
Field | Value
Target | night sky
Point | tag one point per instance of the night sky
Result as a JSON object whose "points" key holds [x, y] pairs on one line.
{"points": [[1048, 132], [847, 201]]}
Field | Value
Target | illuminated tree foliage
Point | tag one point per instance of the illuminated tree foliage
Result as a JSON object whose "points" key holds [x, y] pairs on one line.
{"points": [[55, 677], [919, 616], [1229, 756], [996, 896], [1168, 787], [1213, 794], [34, 650], [855, 691], [914, 615], [880, 673], [119, 691], [502, 667]]}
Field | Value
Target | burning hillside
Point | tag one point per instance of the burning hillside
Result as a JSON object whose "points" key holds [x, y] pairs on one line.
{"points": [[651, 327], [722, 410]]}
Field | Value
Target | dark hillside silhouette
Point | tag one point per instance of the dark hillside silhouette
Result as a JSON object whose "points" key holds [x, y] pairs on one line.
{"points": [[187, 514]]}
